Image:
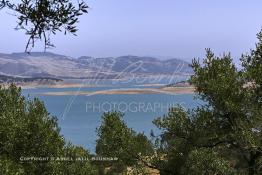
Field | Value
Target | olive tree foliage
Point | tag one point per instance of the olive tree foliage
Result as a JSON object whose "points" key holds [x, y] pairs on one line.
{"points": [[189, 144], [221, 136], [27, 130], [115, 139], [79, 167], [224, 135], [40, 19]]}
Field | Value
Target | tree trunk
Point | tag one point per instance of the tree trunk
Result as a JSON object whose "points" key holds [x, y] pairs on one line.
{"points": [[251, 164]]}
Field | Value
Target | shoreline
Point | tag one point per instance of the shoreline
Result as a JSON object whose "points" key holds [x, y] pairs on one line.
{"points": [[70, 85], [131, 91], [59, 86]]}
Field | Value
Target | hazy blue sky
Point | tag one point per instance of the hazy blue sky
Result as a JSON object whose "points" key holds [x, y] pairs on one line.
{"points": [[168, 28]]}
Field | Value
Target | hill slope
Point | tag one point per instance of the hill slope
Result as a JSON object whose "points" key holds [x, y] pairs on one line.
{"points": [[38, 64]]}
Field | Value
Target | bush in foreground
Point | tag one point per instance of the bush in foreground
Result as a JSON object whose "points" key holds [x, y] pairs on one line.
{"points": [[27, 130]]}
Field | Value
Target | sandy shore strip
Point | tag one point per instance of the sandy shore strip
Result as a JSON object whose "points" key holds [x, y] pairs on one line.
{"points": [[149, 85], [76, 85], [165, 90], [60, 86]]}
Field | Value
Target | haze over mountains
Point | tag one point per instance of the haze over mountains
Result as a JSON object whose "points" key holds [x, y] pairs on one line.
{"points": [[39, 64]]}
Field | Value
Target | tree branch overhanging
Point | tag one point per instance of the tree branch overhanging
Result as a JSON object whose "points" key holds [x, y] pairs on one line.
{"points": [[40, 19]]}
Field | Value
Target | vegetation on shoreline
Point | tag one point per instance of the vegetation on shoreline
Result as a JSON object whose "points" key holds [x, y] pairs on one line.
{"points": [[11, 79]]}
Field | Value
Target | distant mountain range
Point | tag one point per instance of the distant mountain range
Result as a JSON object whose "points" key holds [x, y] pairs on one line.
{"points": [[39, 64]]}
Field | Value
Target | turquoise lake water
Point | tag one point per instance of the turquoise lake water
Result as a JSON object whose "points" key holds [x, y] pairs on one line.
{"points": [[80, 115]]}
